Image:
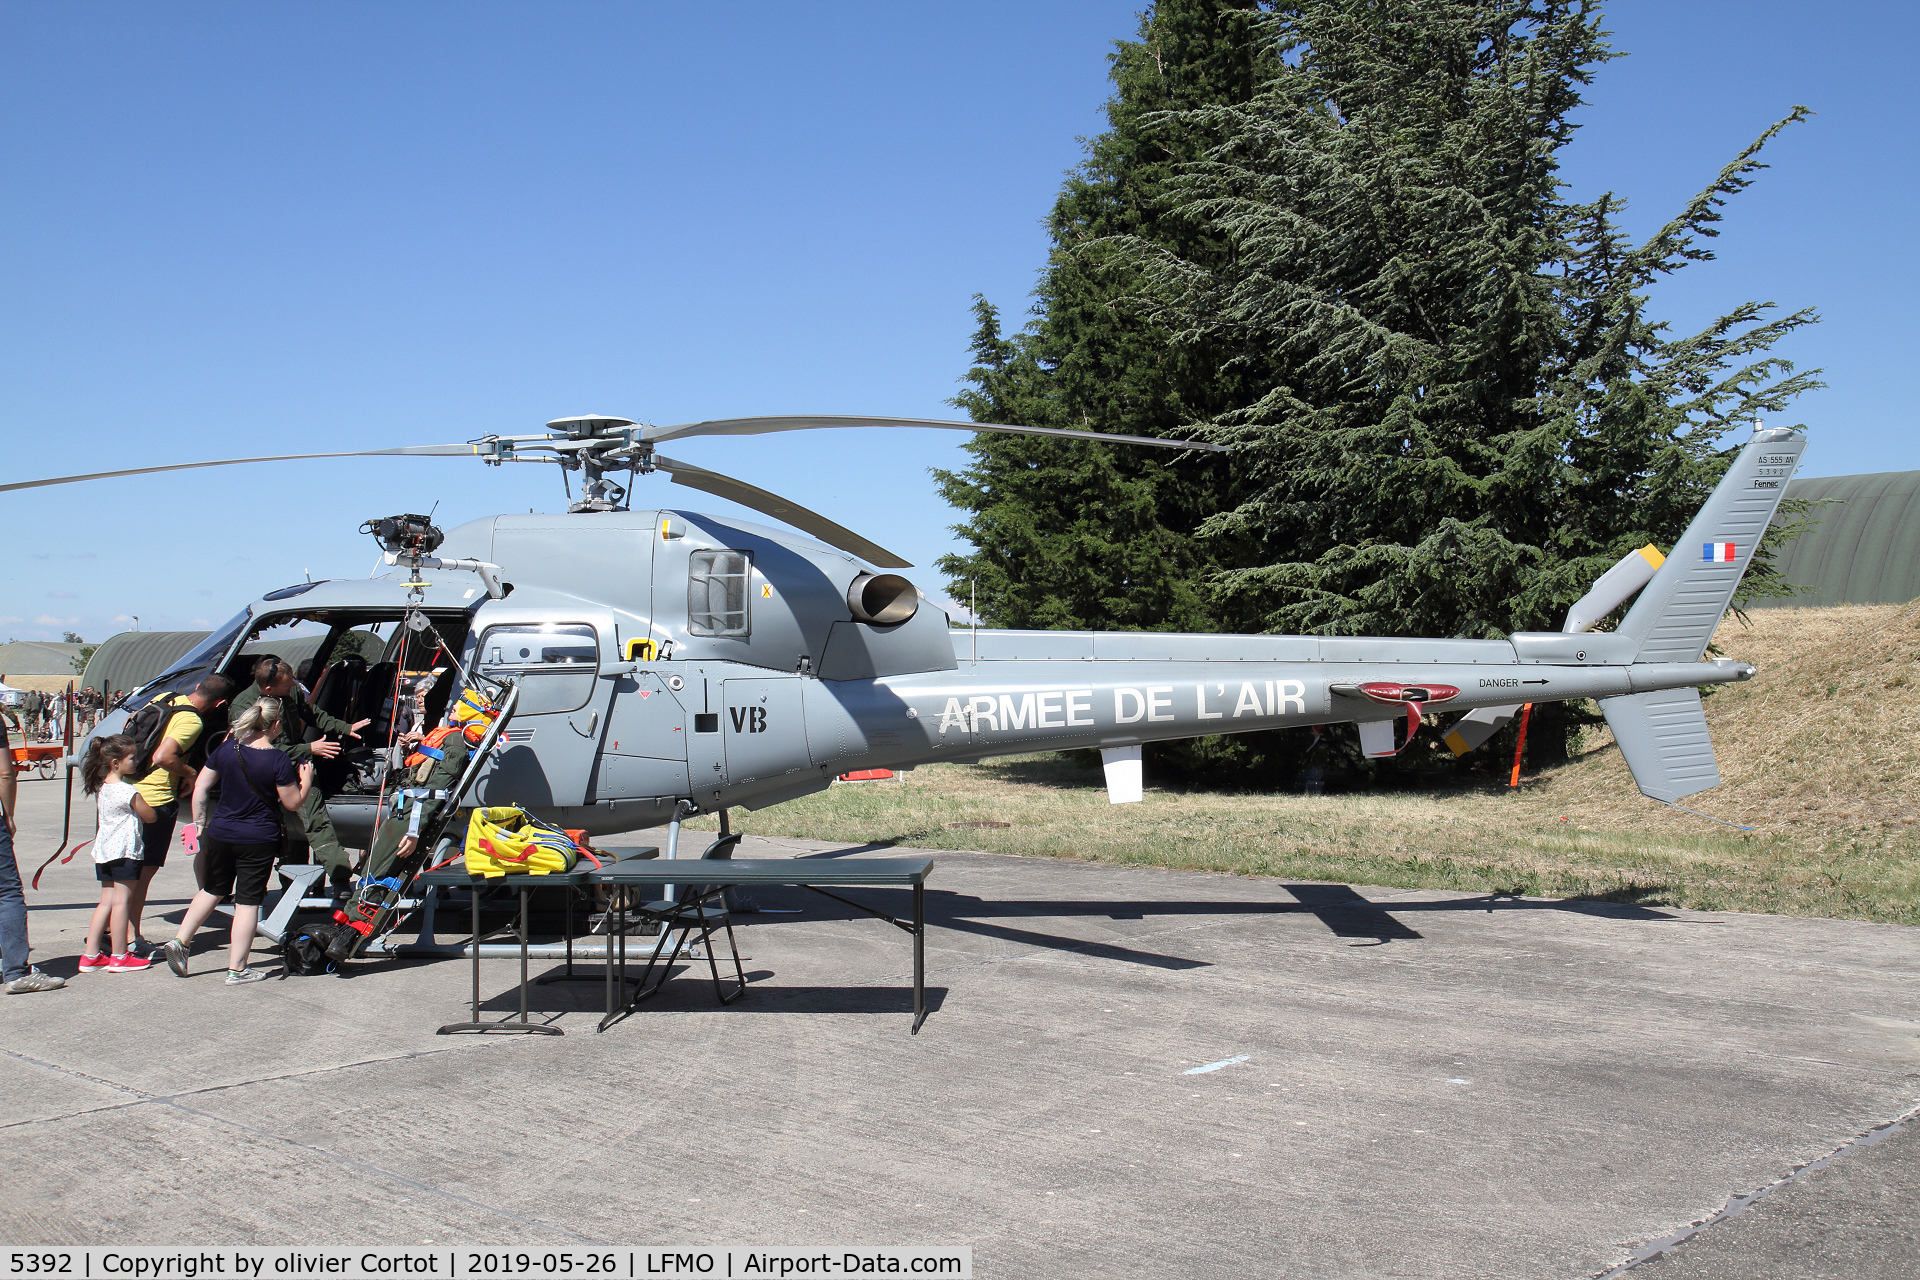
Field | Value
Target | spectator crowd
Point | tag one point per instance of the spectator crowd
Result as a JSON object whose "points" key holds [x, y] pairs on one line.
{"points": [[238, 766], [42, 717]]}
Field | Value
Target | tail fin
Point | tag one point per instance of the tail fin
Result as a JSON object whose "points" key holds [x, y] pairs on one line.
{"points": [[1676, 614], [1663, 736]]}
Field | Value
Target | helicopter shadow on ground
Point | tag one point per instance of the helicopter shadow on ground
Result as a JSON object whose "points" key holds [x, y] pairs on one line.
{"points": [[1343, 910]]}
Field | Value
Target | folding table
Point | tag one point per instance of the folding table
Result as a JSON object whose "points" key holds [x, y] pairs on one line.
{"points": [[524, 884], [717, 875]]}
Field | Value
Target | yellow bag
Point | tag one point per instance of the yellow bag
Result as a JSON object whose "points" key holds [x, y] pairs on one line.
{"points": [[507, 840]]}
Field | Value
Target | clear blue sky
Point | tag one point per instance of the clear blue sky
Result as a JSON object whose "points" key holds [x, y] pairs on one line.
{"points": [[234, 229]]}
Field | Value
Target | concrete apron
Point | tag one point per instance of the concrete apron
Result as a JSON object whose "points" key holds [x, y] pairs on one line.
{"points": [[1127, 1072]]}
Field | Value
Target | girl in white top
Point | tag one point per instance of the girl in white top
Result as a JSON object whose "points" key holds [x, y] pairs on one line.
{"points": [[116, 851]]}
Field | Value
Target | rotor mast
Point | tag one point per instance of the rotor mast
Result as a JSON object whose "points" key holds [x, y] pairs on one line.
{"points": [[592, 444]]}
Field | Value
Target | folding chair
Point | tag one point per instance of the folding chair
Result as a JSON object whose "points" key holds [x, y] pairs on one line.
{"points": [[690, 915]]}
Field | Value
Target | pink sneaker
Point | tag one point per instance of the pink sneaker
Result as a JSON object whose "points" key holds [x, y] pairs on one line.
{"points": [[128, 963], [90, 964]]}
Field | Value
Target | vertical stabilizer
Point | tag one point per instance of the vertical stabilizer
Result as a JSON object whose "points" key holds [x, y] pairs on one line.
{"points": [[1475, 727], [1614, 588], [1675, 616]]}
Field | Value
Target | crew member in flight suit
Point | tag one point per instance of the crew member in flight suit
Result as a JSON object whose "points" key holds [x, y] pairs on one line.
{"points": [[272, 677], [435, 762]]}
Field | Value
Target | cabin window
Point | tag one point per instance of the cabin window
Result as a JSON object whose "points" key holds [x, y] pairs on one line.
{"points": [[554, 663], [717, 594]]}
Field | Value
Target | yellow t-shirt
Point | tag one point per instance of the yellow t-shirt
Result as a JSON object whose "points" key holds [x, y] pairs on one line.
{"points": [[157, 787]]}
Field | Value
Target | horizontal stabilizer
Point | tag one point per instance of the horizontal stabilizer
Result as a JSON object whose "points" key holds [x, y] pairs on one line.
{"points": [[1125, 784], [1663, 736], [1475, 727]]}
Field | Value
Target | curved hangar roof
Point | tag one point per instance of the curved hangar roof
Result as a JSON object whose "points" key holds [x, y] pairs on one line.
{"points": [[1862, 546], [132, 658], [37, 664]]}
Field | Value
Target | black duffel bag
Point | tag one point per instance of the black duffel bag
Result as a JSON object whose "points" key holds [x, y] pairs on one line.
{"points": [[305, 949]]}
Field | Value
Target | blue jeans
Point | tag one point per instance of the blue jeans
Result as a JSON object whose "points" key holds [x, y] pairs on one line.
{"points": [[13, 912]]}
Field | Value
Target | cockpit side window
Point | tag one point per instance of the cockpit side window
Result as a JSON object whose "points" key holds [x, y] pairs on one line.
{"points": [[555, 664], [717, 594]]}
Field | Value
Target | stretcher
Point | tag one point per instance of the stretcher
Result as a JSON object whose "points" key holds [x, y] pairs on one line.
{"points": [[378, 906]]}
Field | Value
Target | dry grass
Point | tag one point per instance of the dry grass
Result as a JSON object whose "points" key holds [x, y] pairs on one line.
{"points": [[1819, 746], [1817, 751]]}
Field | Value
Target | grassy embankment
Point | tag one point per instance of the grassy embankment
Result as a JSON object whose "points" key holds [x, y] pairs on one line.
{"points": [[1819, 753]]}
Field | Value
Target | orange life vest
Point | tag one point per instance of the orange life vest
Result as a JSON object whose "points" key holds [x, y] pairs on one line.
{"points": [[430, 746]]}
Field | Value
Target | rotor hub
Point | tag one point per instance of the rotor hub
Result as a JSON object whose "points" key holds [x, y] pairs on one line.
{"points": [[590, 426]]}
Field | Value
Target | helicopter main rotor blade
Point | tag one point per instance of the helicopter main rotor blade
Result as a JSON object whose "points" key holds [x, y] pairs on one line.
{"points": [[763, 426], [412, 451], [781, 509]]}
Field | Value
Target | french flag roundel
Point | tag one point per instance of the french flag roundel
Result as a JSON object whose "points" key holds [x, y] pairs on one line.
{"points": [[1718, 552]]}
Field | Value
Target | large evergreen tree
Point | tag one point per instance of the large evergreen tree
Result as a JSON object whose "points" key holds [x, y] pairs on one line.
{"points": [[1468, 414], [1098, 536], [1449, 408]]}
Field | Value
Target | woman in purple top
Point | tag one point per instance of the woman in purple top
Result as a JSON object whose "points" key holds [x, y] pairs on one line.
{"points": [[241, 839]]}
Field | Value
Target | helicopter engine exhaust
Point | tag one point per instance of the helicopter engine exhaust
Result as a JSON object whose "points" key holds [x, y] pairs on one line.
{"points": [[883, 599]]}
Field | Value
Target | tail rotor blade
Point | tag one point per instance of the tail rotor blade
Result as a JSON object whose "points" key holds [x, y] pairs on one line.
{"points": [[1614, 588], [411, 451], [779, 508], [765, 426], [1475, 727]]}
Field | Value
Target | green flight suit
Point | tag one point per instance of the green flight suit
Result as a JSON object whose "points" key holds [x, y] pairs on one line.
{"points": [[315, 827], [440, 775]]}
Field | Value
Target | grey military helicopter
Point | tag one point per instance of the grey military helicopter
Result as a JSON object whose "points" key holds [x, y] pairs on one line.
{"points": [[666, 663]]}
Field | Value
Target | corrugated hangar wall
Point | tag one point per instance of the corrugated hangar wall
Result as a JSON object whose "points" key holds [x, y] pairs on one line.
{"points": [[1864, 543], [132, 658]]}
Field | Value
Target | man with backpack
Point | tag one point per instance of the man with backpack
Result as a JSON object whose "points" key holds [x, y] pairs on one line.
{"points": [[303, 736], [173, 738]]}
